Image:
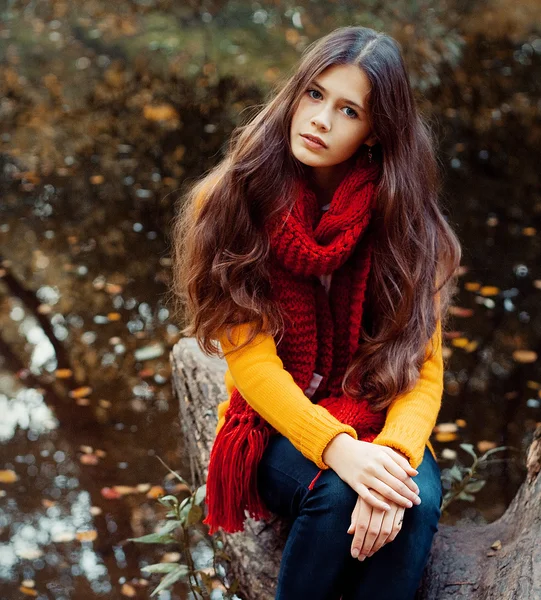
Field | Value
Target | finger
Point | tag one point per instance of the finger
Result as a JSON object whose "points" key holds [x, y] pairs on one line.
{"points": [[397, 524], [354, 516], [361, 527], [367, 497], [401, 461], [398, 492], [386, 529], [399, 473], [372, 534]]}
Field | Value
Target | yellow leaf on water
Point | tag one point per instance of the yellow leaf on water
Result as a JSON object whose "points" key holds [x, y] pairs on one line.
{"points": [[96, 179], [461, 422], [525, 356], [128, 590], [27, 591], [8, 476], [87, 536], [460, 342], [484, 445], [446, 437], [80, 392], [63, 373], [114, 316], [471, 286], [489, 290], [155, 492]]}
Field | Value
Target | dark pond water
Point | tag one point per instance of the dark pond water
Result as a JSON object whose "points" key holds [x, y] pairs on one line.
{"points": [[105, 116]]}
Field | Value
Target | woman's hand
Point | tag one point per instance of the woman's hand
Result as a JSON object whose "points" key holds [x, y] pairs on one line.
{"points": [[373, 528], [363, 465]]}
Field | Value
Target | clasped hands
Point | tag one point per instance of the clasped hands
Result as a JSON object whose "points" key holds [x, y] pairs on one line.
{"points": [[382, 477]]}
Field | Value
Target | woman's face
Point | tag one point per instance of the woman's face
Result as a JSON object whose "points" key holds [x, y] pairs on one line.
{"points": [[331, 108]]}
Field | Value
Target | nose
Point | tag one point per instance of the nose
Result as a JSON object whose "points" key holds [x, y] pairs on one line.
{"points": [[321, 121]]}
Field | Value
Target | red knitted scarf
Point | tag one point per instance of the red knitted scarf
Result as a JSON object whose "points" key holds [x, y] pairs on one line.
{"points": [[321, 335]]}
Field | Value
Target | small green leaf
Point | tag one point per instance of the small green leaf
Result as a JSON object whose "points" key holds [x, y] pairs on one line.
{"points": [[491, 451], [469, 448], [171, 578], [200, 494], [154, 538], [160, 568], [455, 473], [474, 486], [194, 516], [169, 526], [169, 501]]}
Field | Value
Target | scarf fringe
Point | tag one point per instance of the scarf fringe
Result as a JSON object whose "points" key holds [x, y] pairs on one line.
{"points": [[232, 474]]}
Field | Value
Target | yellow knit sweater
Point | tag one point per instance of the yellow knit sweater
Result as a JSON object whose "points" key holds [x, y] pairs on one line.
{"points": [[258, 373]]}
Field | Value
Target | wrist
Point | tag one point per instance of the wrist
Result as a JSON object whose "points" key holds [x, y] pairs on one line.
{"points": [[334, 447]]}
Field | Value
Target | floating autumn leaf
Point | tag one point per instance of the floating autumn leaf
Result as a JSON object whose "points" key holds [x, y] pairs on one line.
{"points": [[489, 290], [89, 459], [445, 437], [101, 453], [114, 316], [27, 591], [155, 492], [524, 356], [445, 428], [460, 422], [161, 112], [63, 537], [110, 494], [128, 590], [124, 490], [63, 373], [533, 385], [87, 536], [80, 392], [484, 445], [96, 179], [113, 288], [459, 311], [471, 286], [8, 476], [529, 231], [460, 342]]}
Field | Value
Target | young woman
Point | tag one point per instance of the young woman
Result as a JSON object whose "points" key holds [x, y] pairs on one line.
{"points": [[316, 253]]}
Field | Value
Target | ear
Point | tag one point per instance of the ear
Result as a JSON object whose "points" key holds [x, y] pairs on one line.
{"points": [[371, 140]]}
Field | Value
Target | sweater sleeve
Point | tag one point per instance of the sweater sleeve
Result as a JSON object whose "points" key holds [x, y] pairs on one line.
{"points": [[259, 375], [411, 417]]}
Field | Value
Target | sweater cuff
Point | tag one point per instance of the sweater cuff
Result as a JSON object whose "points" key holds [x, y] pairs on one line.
{"points": [[322, 429], [394, 438]]}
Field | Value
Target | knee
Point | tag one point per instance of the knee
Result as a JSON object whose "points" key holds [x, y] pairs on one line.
{"points": [[333, 496]]}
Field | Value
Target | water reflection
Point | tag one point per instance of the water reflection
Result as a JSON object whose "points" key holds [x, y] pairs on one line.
{"points": [[106, 113]]}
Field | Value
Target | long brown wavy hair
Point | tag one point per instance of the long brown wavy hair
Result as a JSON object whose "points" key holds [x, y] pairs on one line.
{"points": [[220, 247]]}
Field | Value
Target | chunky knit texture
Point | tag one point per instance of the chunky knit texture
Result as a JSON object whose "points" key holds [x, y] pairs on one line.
{"points": [[321, 335]]}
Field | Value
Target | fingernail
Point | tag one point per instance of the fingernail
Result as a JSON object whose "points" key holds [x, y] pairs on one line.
{"points": [[410, 504], [387, 507], [362, 557], [355, 552], [417, 500]]}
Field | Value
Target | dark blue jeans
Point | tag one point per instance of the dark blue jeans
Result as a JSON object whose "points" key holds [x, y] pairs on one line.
{"points": [[316, 561]]}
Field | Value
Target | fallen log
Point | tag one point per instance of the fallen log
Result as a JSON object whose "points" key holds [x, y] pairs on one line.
{"points": [[462, 563]]}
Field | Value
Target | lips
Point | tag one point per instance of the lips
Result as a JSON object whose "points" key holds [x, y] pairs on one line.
{"points": [[314, 138]]}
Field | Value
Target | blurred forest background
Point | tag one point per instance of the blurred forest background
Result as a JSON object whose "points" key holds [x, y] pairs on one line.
{"points": [[107, 112]]}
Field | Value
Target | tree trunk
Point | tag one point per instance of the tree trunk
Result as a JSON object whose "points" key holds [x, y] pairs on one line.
{"points": [[462, 564]]}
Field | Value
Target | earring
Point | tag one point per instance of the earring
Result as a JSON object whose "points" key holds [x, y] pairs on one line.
{"points": [[369, 154]]}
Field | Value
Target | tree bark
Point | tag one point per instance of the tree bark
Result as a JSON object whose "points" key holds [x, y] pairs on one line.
{"points": [[462, 563]]}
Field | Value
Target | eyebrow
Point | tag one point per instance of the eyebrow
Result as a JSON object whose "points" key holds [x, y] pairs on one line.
{"points": [[343, 99]]}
